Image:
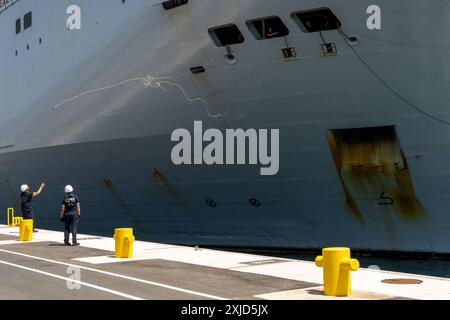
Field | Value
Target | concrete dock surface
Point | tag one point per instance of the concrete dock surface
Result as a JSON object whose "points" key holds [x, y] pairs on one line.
{"points": [[46, 269]]}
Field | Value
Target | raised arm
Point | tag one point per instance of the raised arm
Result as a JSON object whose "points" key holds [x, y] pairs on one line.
{"points": [[39, 191]]}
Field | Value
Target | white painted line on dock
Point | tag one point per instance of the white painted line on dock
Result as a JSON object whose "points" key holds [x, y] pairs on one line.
{"points": [[82, 283], [156, 284]]}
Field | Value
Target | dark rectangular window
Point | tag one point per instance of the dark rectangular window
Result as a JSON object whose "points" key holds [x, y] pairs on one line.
{"points": [[18, 26], [268, 28], [173, 4], [226, 35], [317, 20], [27, 20]]}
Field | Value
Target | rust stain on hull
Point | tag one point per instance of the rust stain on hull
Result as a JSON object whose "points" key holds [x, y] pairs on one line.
{"points": [[374, 172]]}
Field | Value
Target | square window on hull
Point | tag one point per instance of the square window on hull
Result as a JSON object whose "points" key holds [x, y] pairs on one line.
{"points": [[317, 20], [18, 26], [226, 35], [268, 28], [27, 20]]}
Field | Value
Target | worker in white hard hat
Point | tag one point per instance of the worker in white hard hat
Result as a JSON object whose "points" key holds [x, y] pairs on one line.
{"points": [[26, 197], [70, 215]]}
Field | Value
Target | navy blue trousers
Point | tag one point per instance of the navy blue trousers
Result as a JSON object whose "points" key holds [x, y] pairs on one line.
{"points": [[70, 226]]}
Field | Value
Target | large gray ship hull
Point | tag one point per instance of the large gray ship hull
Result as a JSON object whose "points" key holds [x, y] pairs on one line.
{"points": [[364, 134]]}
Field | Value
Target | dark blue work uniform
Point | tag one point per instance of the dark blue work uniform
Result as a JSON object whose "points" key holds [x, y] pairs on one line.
{"points": [[70, 217], [26, 205]]}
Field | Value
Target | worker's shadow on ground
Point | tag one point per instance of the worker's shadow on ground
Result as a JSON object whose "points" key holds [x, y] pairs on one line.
{"points": [[57, 245]]}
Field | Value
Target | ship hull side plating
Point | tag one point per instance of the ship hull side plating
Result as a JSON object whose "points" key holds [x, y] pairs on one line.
{"points": [[95, 108]]}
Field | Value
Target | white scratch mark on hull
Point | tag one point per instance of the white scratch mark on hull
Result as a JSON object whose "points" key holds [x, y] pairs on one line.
{"points": [[148, 82]]}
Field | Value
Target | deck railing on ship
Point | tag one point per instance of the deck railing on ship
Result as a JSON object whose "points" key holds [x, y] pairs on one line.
{"points": [[5, 4]]}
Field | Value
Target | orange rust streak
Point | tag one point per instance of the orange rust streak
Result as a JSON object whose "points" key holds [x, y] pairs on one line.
{"points": [[370, 163]]}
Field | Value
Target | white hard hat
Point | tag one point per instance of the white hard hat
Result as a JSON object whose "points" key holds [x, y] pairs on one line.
{"points": [[24, 187], [69, 189]]}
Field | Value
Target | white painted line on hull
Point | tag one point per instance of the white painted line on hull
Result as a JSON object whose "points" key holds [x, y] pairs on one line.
{"points": [[85, 284], [156, 284]]}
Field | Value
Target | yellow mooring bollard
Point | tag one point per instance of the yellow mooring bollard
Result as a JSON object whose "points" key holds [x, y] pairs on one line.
{"points": [[11, 220], [337, 264], [26, 230], [124, 242], [17, 221]]}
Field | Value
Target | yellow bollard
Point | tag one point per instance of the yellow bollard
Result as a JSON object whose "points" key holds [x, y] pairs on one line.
{"points": [[26, 230], [17, 221], [11, 220], [124, 242], [10, 212], [337, 264]]}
